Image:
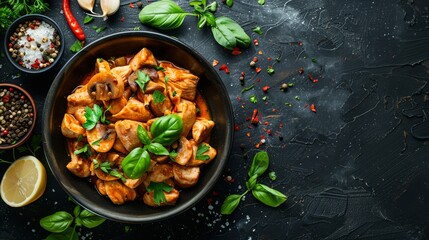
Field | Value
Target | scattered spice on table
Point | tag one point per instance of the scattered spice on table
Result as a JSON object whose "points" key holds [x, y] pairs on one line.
{"points": [[224, 68], [34, 44], [265, 88], [236, 51], [313, 107], [16, 115]]}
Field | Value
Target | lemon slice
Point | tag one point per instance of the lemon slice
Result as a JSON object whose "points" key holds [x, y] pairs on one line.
{"points": [[23, 182]]}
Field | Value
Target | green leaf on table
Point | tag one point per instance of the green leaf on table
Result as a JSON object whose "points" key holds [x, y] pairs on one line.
{"points": [[272, 175], [253, 99], [229, 3], [230, 204], [90, 220], [251, 183], [259, 164], [76, 46], [158, 189], [57, 222], [87, 19], [257, 30], [164, 15], [229, 33], [92, 116], [268, 196], [261, 2], [76, 210], [69, 234]]}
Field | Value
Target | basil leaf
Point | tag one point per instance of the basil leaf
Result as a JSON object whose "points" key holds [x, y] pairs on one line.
{"points": [[259, 164], [242, 39], [57, 222], [92, 116], [261, 2], [136, 163], [158, 149], [211, 20], [201, 21], [69, 234], [230, 204], [158, 189], [76, 210], [158, 97], [229, 3], [143, 135], [224, 36], [164, 15], [90, 220], [268, 196], [250, 184], [76, 46], [166, 129]]}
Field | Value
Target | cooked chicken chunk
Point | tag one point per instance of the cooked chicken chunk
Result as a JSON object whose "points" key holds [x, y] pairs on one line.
{"points": [[118, 192], [185, 176], [80, 97], [143, 58], [201, 129], [208, 155], [127, 133], [181, 79], [78, 165], [170, 197], [134, 110], [78, 112], [71, 128], [159, 173], [184, 151], [188, 112], [101, 137]]}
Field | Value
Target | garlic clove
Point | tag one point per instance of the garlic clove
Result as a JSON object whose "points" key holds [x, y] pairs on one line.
{"points": [[109, 7], [87, 5]]}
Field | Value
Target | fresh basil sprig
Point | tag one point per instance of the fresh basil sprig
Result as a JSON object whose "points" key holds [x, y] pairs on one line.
{"points": [[165, 130], [166, 14], [263, 193], [158, 189], [61, 226], [93, 116]]}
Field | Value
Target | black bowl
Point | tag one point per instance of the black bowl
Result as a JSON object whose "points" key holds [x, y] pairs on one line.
{"points": [[11, 30], [164, 48]]}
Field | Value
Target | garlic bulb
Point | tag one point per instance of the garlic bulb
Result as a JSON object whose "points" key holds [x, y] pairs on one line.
{"points": [[87, 5], [109, 7]]}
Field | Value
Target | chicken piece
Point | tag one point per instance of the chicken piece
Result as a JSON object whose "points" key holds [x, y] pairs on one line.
{"points": [[101, 137], [112, 158], [143, 58], [102, 65], [116, 105], [210, 154], [101, 188], [80, 97], [134, 183], [184, 151], [118, 192], [104, 86], [170, 197], [159, 173], [201, 129], [181, 79], [187, 111], [71, 128], [121, 72], [78, 112], [126, 131], [118, 146], [185, 176], [78, 165], [150, 85], [161, 108], [134, 110]]}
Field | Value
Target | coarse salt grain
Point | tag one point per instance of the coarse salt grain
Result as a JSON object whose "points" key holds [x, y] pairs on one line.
{"points": [[32, 53]]}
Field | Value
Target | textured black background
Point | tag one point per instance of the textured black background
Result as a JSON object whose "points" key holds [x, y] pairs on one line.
{"points": [[356, 169]]}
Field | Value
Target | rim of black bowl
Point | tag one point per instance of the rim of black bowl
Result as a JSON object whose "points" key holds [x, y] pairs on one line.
{"points": [[112, 215], [12, 28], [33, 104]]}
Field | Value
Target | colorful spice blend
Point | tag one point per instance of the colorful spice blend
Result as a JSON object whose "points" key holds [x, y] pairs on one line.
{"points": [[34, 44], [16, 115]]}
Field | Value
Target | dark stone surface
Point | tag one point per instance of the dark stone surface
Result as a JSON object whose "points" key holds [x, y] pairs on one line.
{"points": [[356, 169]]}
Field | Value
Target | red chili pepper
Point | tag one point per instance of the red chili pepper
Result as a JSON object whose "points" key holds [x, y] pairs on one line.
{"points": [[258, 70], [236, 51], [224, 68], [255, 118], [312, 107], [71, 20], [265, 88], [131, 5]]}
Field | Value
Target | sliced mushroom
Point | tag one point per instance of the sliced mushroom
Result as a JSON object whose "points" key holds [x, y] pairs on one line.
{"points": [[78, 165], [126, 131], [102, 137], [104, 86], [143, 58], [185, 176], [184, 151], [201, 129], [160, 172], [118, 192], [187, 111], [71, 127], [170, 197], [150, 71]]}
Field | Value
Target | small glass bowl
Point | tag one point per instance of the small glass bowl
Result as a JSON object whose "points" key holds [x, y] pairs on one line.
{"points": [[5, 126], [33, 44]]}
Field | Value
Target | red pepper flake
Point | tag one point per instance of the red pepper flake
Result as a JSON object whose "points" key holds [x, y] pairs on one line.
{"points": [[122, 19], [215, 193], [256, 42], [236, 127], [5, 132], [312, 107], [265, 88], [209, 201], [300, 43], [29, 39], [132, 5], [301, 71], [255, 59], [224, 68], [248, 134], [236, 51], [258, 80], [258, 70], [255, 118], [269, 132], [281, 125], [260, 52], [215, 62], [315, 80], [269, 59], [266, 123], [258, 145], [249, 126]]}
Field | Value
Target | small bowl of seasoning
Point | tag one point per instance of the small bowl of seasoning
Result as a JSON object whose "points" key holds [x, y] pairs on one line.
{"points": [[17, 116], [34, 43]]}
